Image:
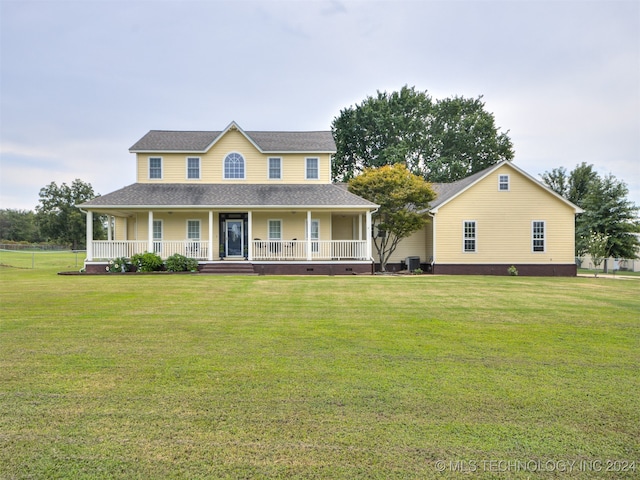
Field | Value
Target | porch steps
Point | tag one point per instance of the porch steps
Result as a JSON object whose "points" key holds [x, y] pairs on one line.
{"points": [[228, 268]]}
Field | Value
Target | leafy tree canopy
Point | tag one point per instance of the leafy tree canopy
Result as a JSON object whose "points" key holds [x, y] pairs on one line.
{"points": [[441, 140], [19, 226], [59, 218], [402, 197], [607, 213]]}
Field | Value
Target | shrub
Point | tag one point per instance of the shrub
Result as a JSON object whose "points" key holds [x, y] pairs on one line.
{"points": [[119, 265], [513, 271], [180, 263], [417, 271], [147, 262]]}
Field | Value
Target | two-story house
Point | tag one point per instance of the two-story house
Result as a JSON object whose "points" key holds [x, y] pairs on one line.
{"points": [[263, 202], [236, 201]]}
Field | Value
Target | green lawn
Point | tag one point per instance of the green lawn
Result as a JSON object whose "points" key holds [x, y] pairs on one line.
{"points": [[193, 376]]}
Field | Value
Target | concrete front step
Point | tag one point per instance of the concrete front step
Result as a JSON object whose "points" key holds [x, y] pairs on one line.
{"points": [[224, 268]]}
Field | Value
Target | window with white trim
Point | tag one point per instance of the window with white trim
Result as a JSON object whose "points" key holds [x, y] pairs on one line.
{"points": [[275, 229], [315, 234], [469, 236], [234, 166], [275, 168], [155, 167], [312, 172], [157, 236], [503, 183], [193, 168], [537, 235], [193, 229]]}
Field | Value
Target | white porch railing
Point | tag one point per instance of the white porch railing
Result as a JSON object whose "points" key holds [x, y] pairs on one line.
{"points": [[320, 250], [269, 250], [105, 249]]}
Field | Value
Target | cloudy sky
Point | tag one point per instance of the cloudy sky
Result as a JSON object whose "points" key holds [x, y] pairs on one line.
{"points": [[82, 81]]}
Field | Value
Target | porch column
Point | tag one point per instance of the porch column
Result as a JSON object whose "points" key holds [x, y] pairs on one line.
{"points": [[89, 236], [109, 231], [360, 227], [126, 228], [210, 254], [309, 235], [250, 236], [150, 236], [368, 236]]}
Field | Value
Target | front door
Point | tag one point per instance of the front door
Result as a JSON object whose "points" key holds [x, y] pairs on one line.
{"points": [[234, 238]]}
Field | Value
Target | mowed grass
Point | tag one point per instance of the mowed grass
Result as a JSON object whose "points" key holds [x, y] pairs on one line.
{"points": [[193, 376]]}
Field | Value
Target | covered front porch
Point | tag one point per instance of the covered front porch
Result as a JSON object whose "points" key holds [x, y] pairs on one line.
{"points": [[260, 237]]}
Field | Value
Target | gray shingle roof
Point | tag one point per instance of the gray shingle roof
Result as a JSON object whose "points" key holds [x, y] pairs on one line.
{"points": [[445, 191], [229, 195], [176, 141]]}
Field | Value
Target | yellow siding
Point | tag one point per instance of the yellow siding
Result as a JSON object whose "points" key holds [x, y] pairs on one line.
{"points": [[413, 246], [504, 222], [293, 224], [174, 165]]}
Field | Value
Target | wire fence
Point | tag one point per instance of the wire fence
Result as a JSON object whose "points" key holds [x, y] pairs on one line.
{"points": [[35, 259]]}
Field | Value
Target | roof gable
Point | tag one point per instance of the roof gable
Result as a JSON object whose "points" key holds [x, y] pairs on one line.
{"points": [[446, 192], [264, 141]]}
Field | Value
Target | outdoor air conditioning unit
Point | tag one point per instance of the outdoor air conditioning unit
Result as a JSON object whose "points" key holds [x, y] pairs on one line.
{"points": [[413, 263]]}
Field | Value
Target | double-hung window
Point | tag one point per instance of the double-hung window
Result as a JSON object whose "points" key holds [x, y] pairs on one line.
{"points": [[193, 230], [155, 168], [275, 229], [469, 236], [312, 169], [503, 183], [234, 166], [537, 235], [193, 168], [275, 168]]}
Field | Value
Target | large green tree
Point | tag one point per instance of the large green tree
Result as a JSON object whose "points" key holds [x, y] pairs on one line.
{"points": [[59, 218], [402, 197], [441, 140], [608, 212]]}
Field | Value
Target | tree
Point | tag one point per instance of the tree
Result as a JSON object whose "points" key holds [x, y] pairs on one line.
{"points": [[18, 226], [557, 180], [596, 245], [608, 212], [60, 219], [580, 182], [442, 141], [403, 198]]}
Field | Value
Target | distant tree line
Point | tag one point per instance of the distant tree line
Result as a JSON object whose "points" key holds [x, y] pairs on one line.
{"points": [[57, 218]]}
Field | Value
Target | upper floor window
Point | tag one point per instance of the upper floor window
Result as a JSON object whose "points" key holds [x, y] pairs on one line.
{"points": [[193, 168], [234, 166], [503, 183], [275, 168], [469, 235], [312, 169], [155, 167], [537, 236]]}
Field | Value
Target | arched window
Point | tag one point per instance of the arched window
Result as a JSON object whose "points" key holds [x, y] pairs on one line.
{"points": [[234, 166]]}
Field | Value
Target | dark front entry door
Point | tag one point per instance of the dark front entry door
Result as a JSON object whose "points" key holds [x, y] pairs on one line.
{"points": [[234, 236]]}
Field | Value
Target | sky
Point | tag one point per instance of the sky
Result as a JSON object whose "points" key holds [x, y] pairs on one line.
{"points": [[82, 81]]}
